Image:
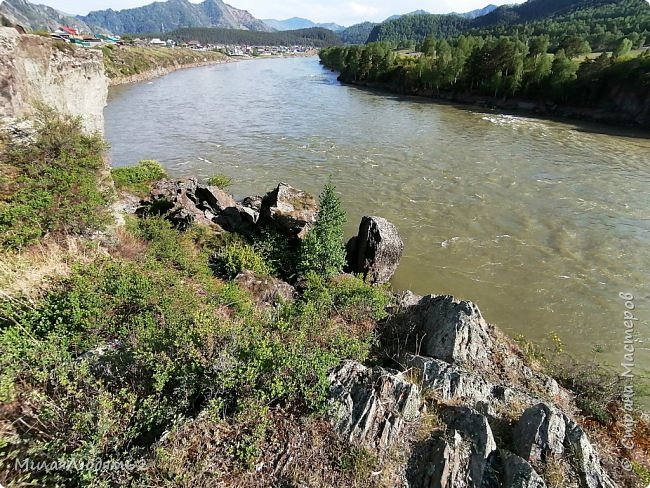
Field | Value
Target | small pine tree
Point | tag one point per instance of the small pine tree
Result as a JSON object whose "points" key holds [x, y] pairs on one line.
{"points": [[322, 251]]}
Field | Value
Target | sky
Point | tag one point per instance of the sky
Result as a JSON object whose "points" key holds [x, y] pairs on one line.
{"points": [[344, 12]]}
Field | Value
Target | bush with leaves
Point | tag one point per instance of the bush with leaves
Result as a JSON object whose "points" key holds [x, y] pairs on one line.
{"points": [[137, 179]]}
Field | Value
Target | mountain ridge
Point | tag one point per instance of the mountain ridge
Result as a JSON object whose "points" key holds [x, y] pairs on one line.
{"points": [[295, 23], [174, 14]]}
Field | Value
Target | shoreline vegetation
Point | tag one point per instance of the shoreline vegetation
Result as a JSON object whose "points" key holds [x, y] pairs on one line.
{"points": [[508, 74]]}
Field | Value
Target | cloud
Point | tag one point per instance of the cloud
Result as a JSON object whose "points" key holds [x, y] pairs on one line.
{"points": [[344, 12]]}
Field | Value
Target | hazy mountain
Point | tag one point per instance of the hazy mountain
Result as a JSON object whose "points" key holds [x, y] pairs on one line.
{"points": [[299, 23], [477, 13], [32, 16], [415, 12], [175, 14]]}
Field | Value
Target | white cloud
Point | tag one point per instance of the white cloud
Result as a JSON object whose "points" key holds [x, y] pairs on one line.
{"points": [[341, 11]]}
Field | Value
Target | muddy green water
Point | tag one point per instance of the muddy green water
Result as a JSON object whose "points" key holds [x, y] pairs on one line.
{"points": [[541, 223]]}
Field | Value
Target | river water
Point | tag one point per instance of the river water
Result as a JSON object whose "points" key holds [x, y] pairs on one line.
{"points": [[541, 223]]}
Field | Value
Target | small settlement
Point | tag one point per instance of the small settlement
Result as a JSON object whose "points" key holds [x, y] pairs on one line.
{"points": [[75, 36]]}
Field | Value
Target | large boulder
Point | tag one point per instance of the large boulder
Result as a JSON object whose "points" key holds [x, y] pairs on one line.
{"points": [[376, 250], [289, 210], [440, 327], [369, 406], [539, 433]]}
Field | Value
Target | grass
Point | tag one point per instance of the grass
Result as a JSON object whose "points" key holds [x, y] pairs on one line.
{"points": [[53, 185], [220, 181], [138, 179]]}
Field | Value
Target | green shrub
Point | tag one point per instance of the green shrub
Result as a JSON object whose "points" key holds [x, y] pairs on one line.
{"points": [[138, 179], [220, 180], [236, 257], [55, 182], [322, 251]]}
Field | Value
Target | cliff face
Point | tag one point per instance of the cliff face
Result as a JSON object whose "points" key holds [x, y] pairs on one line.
{"points": [[36, 69]]}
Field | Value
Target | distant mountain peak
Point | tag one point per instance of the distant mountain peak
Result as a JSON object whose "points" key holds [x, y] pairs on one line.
{"points": [[295, 23], [174, 14]]}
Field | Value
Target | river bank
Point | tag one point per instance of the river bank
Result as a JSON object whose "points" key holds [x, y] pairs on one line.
{"points": [[627, 110]]}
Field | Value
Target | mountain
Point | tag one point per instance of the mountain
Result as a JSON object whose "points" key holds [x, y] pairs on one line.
{"points": [[295, 23], [175, 14], [314, 36], [477, 13], [535, 10], [415, 12], [357, 33], [32, 16]]}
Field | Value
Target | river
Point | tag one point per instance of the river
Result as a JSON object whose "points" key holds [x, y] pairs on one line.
{"points": [[541, 223]]}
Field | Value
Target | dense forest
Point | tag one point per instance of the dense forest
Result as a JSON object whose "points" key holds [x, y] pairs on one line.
{"points": [[602, 23], [496, 67], [315, 36], [357, 33]]}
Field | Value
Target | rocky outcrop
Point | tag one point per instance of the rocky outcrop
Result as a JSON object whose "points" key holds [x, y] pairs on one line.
{"points": [[185, 201], [289, 210], [370, 406], [376, 250], [497, 422], [35, 69]]}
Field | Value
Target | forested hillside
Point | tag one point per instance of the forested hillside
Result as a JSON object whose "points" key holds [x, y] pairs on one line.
{"points": [[602, 23]]}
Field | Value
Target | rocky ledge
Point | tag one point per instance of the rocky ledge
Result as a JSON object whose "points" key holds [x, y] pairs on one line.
{"points": [[463, 408], [454, 399]]}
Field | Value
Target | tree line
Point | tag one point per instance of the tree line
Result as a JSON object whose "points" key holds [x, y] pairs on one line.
{"points": [[496, 67]]}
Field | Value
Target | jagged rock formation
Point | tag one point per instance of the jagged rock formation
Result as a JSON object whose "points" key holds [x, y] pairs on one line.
{"points": [[376, 250], [174, 14], [370, 406], [35, 69], [290, 210], [185, 201], [498, 423]]}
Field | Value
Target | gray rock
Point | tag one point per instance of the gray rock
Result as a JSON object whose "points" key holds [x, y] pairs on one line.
{"points": [[539, 433], [461, 457], [289, 210], [451, 330], [370, 406], [265, 289], [376, 251], [214, 198], [518, 473], [253, 202], [585, 458]]}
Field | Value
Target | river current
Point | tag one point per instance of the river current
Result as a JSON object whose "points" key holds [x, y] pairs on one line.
{"points": [[541, 223]]}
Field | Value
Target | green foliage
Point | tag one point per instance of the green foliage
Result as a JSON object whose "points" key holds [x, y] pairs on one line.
{"points": [[237, 256], [53, 184], [220, 180], [322, 250], [623, 47], [496, 67], [138, 179], [278, 250], [167, 341], [357, 34], [418, 27]]}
